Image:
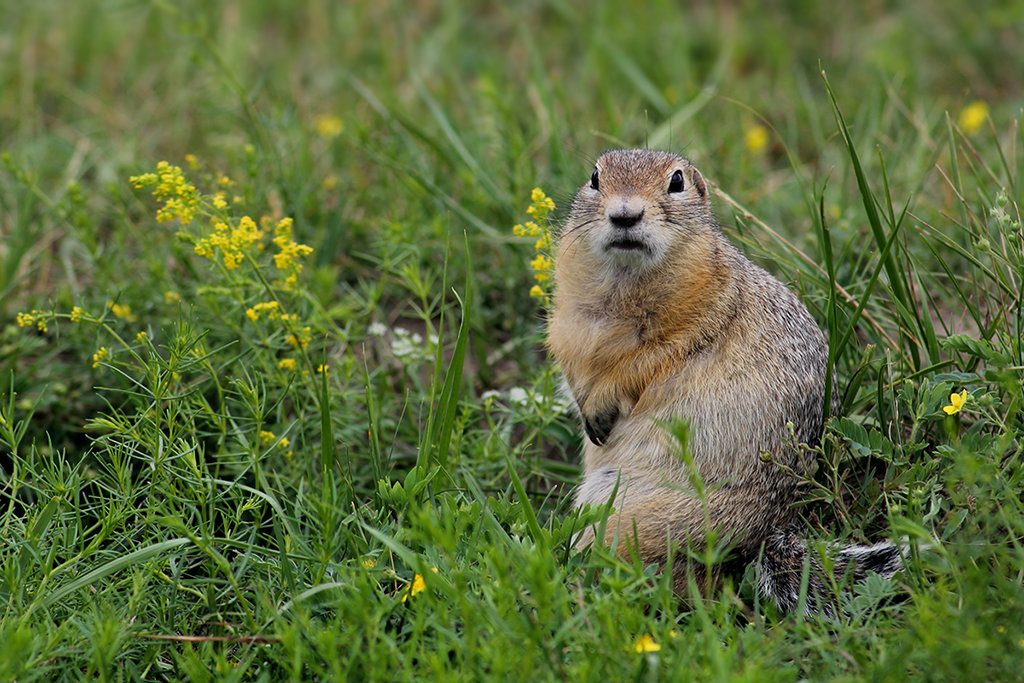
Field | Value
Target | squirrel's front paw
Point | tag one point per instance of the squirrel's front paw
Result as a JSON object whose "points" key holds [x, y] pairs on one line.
{"points": [[598, 425]]}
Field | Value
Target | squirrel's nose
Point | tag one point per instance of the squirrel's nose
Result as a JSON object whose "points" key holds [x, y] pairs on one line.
{"points": [[625, 216]]}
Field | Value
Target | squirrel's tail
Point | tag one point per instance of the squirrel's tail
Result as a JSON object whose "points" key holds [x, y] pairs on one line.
{"points": [[785, 558]]}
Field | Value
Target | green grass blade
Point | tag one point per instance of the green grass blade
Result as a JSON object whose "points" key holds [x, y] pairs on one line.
{"points": [[123, 562], [448, 402], [892, 268]]}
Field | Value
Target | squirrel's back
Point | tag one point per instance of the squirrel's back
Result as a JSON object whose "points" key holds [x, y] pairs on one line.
{"points": [[658, 317]]}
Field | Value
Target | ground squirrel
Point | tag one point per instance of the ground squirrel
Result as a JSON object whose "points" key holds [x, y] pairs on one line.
{"points": [[657, 316]]}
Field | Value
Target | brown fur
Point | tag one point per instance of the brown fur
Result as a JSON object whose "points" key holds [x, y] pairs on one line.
{"points": [[673, 322]]}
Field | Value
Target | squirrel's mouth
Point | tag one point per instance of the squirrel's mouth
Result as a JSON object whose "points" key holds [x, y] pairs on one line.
{"points": [[627, 244]]}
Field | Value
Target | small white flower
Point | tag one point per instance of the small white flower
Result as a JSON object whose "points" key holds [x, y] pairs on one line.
{"points": [[518, 396], [408, 344], [377, 329]]}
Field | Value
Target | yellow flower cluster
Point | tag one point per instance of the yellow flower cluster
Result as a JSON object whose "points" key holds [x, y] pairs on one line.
{"points": [[287, 259], [297, 337], [102, 354], [180, 197], [269, 308], [269, 438], [76, 314], [37, 318], [300, 338], [121, 311], [543, 264], [231, 241]]}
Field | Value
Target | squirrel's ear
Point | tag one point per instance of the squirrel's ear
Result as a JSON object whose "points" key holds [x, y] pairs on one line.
{"points": [[697, 180]]}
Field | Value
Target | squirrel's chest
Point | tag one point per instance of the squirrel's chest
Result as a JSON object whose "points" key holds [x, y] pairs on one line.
{"points": [[598, 336]]}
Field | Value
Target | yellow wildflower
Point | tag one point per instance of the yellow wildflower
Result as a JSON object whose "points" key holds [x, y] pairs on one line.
{"points": [[286, 364], [268, 307], [417, 586], [102, 354], [369, 563], [956, 403], [543, 265], [219, 200], [267, 438], [646, 643], [323, 369], [300, 338], [755, 138], [328, 126], [287, 259], [180, 198], [231, 241], [171, 297], [141, 336], [540, 202], [527, 229], [972, 117], [122, 311], [37, 318], [192, 161]]}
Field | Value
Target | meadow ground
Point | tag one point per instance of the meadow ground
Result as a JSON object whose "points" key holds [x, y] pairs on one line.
{"points": [[278, 407]]}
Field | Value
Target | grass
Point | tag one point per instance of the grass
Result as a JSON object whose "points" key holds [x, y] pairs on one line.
{"points": [[368, 477]]}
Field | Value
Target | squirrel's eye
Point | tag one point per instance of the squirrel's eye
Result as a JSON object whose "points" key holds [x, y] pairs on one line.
{"points": [[676, 183], [593, 180]]}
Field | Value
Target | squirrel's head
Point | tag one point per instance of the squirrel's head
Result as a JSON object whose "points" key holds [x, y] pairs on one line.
{"points": [[638, 207]]}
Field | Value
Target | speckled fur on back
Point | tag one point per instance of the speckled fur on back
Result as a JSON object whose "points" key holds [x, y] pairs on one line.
{"points": [[657, 316]]}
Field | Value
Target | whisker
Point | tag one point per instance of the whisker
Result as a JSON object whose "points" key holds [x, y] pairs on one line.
{"points": [[581, 225], [577, 229]]}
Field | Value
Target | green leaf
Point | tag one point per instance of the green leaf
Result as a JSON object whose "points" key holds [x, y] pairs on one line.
{"points": [[105, 570]]}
